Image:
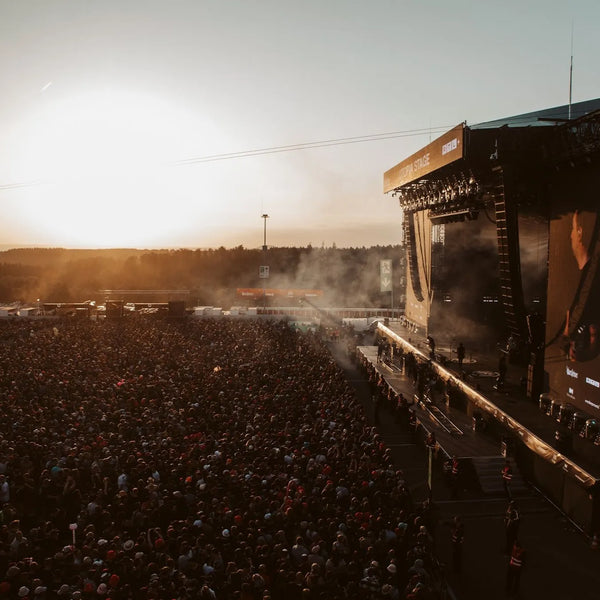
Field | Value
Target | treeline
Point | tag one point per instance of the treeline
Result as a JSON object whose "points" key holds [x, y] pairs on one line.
{"points": [[347, 276]]}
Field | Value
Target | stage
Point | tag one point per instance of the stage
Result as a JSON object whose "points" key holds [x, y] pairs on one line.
{"points": [[507, 421]]}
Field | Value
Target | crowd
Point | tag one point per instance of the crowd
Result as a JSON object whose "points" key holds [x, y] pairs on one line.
{"points": [[209, 459]]}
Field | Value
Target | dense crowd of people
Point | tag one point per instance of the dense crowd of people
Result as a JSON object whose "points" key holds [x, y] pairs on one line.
{"points": [[211, 459]]}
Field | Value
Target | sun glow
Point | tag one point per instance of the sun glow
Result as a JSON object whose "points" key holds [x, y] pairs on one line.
{"points": [[104, 163]]}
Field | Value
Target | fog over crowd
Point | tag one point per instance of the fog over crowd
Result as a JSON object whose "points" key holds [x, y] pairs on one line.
{"points": [[221, 459], [211, 277]]}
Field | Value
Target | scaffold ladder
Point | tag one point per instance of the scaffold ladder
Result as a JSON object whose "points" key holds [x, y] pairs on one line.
{"points": [[509, 264]]}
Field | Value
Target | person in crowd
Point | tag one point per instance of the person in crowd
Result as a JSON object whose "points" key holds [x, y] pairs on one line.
{"points": [[507, 475], [460, 355], [502, 370], [430, 441], [376, 401], [455, 476], [516, 563], [457, 538], [512, 522], [431, 344]]}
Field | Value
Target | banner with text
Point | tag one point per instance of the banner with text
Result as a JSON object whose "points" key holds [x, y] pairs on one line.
{"points": [[442, 151], [385, 275]]}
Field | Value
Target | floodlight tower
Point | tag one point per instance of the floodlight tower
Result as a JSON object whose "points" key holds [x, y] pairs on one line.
{"points": [[264, 270], [265, 217]]}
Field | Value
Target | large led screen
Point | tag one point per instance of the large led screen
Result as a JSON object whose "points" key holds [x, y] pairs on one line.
{"points": [[572, 357]]}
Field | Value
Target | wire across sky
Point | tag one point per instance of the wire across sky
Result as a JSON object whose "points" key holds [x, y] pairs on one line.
{"points": [[276, 149]]}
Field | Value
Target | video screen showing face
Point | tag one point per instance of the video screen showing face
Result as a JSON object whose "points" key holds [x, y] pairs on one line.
{"points": [[572, 357]]}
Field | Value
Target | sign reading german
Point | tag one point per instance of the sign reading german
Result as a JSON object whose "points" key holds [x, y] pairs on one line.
{"points": [[446, 149]]}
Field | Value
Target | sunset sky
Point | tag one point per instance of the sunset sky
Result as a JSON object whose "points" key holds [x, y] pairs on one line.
{"points": [[110, 109]]}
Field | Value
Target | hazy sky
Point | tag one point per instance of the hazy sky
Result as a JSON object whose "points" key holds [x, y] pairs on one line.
{"points": [[104, 101]]}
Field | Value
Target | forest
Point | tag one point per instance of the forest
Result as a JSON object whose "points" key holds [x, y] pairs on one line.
{"points": [[210, 277]]}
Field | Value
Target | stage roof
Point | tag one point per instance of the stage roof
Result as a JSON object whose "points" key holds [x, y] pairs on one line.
{"points": [[545, 117], [517, 138]]}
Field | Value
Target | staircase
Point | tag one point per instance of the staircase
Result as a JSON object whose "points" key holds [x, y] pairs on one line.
{"points": [[489, 473]]}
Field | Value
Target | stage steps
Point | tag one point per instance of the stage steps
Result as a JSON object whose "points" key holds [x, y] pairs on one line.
{"points": [[442, 420], [392, 366], [489, 473], [398, 439]]}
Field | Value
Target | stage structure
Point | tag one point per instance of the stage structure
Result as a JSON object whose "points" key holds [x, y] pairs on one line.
{"points": [[503, 168], [171, 302], [545, 164]]}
